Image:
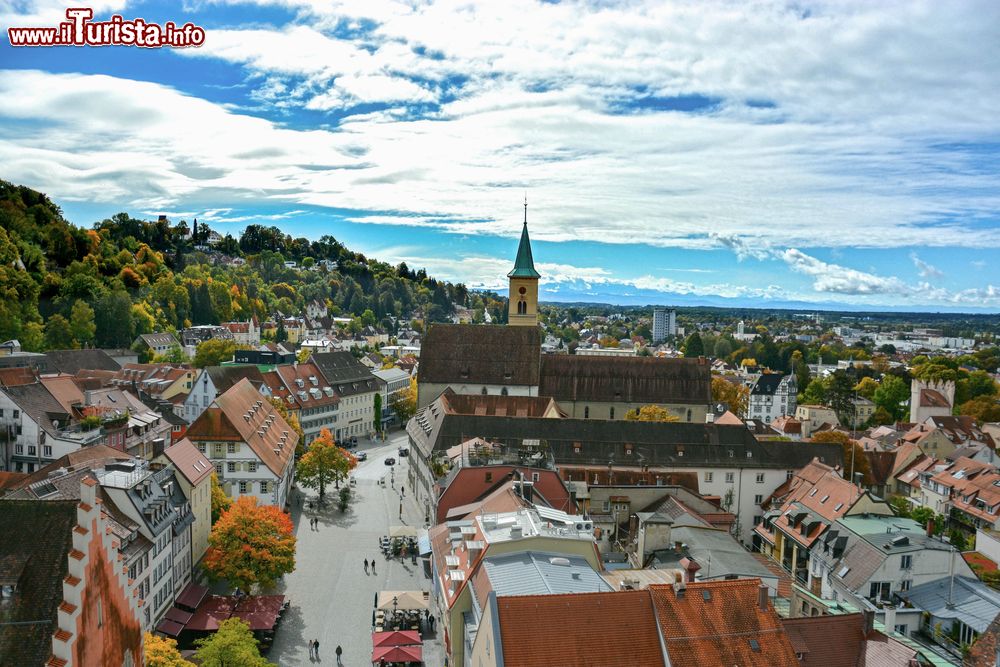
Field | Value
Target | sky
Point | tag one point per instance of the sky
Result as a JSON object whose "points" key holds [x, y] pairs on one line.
{"points": [[824, 155]]}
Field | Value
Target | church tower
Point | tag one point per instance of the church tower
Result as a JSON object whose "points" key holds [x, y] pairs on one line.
{"points": [[522, 308]]}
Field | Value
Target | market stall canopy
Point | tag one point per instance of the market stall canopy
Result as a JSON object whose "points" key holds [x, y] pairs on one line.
{"points": [[398, 654], [192, 596], [402, 531], [405, 600], [212, 611], [170, 628], [260, 611], [396, 638]]}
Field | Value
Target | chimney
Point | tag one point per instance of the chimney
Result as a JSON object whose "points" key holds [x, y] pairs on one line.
{"points": [[858, 478], [679, 585], [868, 618], [691, 568], [762, 597], [159, 444], [930, 527], [890, 619], [677, 547]]}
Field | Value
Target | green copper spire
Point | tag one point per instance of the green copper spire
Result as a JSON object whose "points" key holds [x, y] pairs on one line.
{"points": [[524, 265]]}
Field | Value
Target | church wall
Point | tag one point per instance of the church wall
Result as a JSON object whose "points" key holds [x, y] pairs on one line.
{"points": [[693, 413], [427, 392]]}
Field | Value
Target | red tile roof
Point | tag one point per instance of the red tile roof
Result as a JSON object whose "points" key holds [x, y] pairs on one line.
{"points": [[721, 623], [827, 641], [190, 463], [240, 415], [547, 630]]}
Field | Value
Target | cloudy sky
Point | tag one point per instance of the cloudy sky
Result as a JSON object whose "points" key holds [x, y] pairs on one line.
{"points": [[754, 153]]}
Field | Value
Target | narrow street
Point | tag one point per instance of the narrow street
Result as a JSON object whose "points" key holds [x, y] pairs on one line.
{"points": [[331, 598]]}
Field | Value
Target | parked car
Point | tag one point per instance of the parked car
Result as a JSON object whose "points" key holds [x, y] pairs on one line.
{"points": [[361, 456], [354, 441], [404, 451], [390, 461]]}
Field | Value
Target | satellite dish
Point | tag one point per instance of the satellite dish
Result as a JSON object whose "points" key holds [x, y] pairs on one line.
{"points": [[55, 423]]}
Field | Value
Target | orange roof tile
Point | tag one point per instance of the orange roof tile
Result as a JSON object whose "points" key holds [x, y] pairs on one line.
{"points": [[721, 623], [572, 629]]}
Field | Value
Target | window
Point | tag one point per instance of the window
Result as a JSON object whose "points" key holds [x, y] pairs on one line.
{"points": [[201, 447], [218, 449], [47, 451], [708, 476], [586, 412], [576, 447], [17, 414], [522, 308], [231, 466], [231, 448], [489, 477], [730, 477], [758, 499], [218, 468], [483, 392], [607, 505], [760, 478], [611, 413], [243, 487], [628, 449], [757, 518], [904, 585], [906, 561], [901, 629], [789, 474], [879, 590], [503, 392], [263, 487]]}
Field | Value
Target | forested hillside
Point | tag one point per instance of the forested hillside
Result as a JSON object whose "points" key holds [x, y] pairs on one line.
{"points": [[65, 286]]}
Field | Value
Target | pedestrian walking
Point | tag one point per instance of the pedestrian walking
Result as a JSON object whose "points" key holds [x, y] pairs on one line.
{"points": [[316, 647], [402, 491], [366, 566], [339, 652], [373, 566], [311, 649]]}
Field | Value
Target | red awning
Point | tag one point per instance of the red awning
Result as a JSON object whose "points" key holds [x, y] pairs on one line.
{"points": [[212, 611], [178, 615], [192, 596], [260, 611], [168, 627], [398, 654], [396, 638]]}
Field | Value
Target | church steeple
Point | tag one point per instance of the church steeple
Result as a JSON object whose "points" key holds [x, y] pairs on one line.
{"points": [[524, 265], [523, 301]]}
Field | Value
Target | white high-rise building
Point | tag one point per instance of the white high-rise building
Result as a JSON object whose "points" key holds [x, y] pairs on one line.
{"points": [[664, 324]]}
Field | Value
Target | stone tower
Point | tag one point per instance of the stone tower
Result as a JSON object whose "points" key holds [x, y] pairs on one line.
{"points": [[522, 308], [929, 398]]}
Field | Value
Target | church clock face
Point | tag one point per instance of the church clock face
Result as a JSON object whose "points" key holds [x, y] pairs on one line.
{"points": [[522, 290]]}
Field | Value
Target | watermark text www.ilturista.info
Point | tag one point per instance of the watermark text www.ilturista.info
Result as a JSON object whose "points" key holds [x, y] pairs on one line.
{"points": [[79, 30]]}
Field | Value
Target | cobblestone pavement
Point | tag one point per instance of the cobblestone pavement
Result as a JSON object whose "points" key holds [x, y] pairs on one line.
{"points": [[331, 598]]}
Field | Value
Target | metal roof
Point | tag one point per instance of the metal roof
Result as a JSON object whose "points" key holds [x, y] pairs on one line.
{"points": [[534, 573]]}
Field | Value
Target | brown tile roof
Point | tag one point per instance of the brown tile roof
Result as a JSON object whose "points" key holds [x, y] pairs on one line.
{"points": [[239, 415], [629, 379], [827, 641], [881, 464], [190, 463], [546, 630], [10, 480], [15, 376], [291, 374], [71, 361], [931, 398], [481, 354], [721, 623], [787, 424], [65, 390]]}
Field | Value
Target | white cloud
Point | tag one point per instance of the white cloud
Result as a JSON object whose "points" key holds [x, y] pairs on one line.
{"points": [[924, 269]]}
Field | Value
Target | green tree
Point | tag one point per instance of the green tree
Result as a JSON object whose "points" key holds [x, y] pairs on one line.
{"points": [[32, 337], [693, 346], [324, 462], [866, 387], [58, 334], [892, 392], [81, 322], [220, 501], [213, 352], [113, 318], [378, 412], [175, 355], [404, 403], [978, 383], [735, 395], [232, 645], [723, 348], [280, 335], [814, 393]]}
